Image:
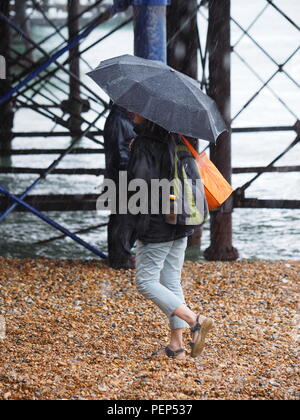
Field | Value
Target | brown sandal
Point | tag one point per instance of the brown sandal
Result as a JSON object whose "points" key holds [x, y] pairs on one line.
{"points": [[169, 352], [202, 329]]}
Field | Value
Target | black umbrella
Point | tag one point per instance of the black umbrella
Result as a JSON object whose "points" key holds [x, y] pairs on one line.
{"points": [[161, 94]]}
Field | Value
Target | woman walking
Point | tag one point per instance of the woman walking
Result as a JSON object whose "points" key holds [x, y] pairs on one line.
{"points": [[161, 246]]}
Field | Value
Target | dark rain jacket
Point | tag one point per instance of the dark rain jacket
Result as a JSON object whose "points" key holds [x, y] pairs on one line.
{"points": [[118, 132], [152, 157]]}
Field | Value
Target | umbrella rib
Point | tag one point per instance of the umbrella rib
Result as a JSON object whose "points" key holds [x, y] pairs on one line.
{"points": [[205, 97]]}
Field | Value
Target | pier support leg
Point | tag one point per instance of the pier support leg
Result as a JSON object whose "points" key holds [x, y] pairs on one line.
{"points": [[182, 53], [74, 97], [6, 109], [219, 89], [182, 32], [23, 23]]}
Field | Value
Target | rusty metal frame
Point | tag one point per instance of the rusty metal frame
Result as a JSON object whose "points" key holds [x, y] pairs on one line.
{"points": [[240, 200], [204, 82]]}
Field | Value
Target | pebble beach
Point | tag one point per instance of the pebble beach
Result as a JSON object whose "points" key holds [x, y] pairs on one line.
{"points": [[79, 330]]}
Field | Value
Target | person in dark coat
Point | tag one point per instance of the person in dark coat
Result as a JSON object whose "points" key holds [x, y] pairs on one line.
{"points": [[118, 133], [161, 246]]}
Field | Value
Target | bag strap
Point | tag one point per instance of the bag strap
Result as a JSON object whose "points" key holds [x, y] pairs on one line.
{"points": [[190, 147]]}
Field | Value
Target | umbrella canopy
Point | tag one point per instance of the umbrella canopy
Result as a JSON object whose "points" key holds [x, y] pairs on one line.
{"points": [[161, 94]]}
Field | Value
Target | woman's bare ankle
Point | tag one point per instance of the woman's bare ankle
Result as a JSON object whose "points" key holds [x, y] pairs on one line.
{"points": [[201, 318], [186, 314], [175, 345], [195, 319]]}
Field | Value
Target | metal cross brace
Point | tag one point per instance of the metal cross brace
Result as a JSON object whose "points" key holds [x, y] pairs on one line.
{"points": [[61, 28], [240, 191], [50, 168], [53, 58], [51, 222]]}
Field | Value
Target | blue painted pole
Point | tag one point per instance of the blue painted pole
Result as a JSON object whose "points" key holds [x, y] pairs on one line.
{"points": [[51, 222], [150, 29]]}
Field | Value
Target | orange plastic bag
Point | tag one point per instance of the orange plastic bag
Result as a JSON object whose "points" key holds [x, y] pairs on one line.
{"points": [[216, 188]]}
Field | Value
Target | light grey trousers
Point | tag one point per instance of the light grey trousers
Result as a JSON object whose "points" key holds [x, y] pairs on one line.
{"points": [[158, 275]]}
